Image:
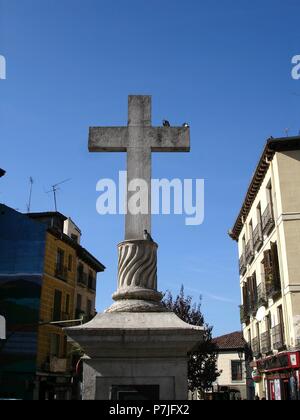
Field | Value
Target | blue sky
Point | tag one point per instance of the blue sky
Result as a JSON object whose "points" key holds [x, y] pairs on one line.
{"points": [[222, 65]]}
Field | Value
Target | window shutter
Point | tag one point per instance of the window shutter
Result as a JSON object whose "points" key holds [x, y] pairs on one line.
{"points": [[254, 285], [275, 265], [250, 291]]}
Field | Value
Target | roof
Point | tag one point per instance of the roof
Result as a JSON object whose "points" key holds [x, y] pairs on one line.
{"points": [[2, 172], [232, 341], [57, 231], [272, 146], [42, 215]]}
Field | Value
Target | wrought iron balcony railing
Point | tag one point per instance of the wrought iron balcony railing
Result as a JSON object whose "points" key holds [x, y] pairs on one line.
{"points": [[268, 221], [265, 340], [242, 265], [258, 239], [244, 314], [273, 290], [277, 337], [249, 252], [262, 295]]}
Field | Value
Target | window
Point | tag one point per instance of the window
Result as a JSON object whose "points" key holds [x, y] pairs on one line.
{"points": [[259, 215], [281, 322], [236, 370], [252, 291], [272, 270], [270, 196], [57, 305], [268, 323], [79, 302], [60, 260], [80, 274], [54, 345], [244, 244], [258, 337], [251, 231], [70, 263], [91, 281]]}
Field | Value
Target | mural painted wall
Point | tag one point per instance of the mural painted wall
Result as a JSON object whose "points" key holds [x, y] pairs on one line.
{"points": [[22, 249]]}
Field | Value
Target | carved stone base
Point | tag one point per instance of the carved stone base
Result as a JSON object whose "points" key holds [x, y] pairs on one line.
{"points": [[137, 293], [132, 305], [137, 278]]}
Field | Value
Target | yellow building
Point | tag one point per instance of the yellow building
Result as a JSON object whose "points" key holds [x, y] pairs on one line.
{"points": [[268, 234], [68, 293]]}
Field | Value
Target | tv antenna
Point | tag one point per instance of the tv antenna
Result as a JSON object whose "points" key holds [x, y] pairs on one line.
{"points": [[30, 194], [54, 190]]}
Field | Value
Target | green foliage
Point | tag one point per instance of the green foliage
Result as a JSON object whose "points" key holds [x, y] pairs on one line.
{"points": [[202, 367]]}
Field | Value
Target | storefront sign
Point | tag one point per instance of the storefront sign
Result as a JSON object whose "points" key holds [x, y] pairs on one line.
{"points": [[280, 362]]}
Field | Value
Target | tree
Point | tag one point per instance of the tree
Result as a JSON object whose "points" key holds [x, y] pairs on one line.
{"points": [[202, 366]]}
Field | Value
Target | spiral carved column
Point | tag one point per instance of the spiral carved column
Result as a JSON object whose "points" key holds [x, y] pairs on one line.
{"points": [[137, 278]]}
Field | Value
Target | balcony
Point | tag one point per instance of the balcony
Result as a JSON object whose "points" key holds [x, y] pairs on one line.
{"points": [[61, 272], [258, 239], [262, 295], [249, 252], [265, 339], [255, 347], [244, 314], [277, 337], [273, 291], [268, 221], [242, 265]]}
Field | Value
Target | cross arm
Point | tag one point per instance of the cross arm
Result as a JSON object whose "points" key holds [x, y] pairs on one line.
{"points": [[108, 139], [169, 139]]}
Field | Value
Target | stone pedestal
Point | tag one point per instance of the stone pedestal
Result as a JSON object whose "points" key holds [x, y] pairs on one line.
{"points": [[136, 349]]}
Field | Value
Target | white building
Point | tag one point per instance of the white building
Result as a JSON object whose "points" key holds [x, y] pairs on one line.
{"points": [[268, 234], [231, 364]]}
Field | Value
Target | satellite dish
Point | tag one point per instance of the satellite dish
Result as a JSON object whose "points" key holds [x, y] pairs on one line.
{"points": [[261, 313]]}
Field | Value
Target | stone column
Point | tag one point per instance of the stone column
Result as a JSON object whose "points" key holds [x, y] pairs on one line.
{"points": [[137, 278]]}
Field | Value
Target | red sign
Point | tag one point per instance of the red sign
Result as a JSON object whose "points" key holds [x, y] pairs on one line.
{"points": [[281, 361]]}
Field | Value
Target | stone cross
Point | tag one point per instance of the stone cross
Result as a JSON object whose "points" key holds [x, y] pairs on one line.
{"points": [[139, 139]]}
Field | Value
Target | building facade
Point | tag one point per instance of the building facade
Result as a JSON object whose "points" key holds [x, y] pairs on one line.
{"points": [[268, 234], [40, 275], [232, 365]]}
